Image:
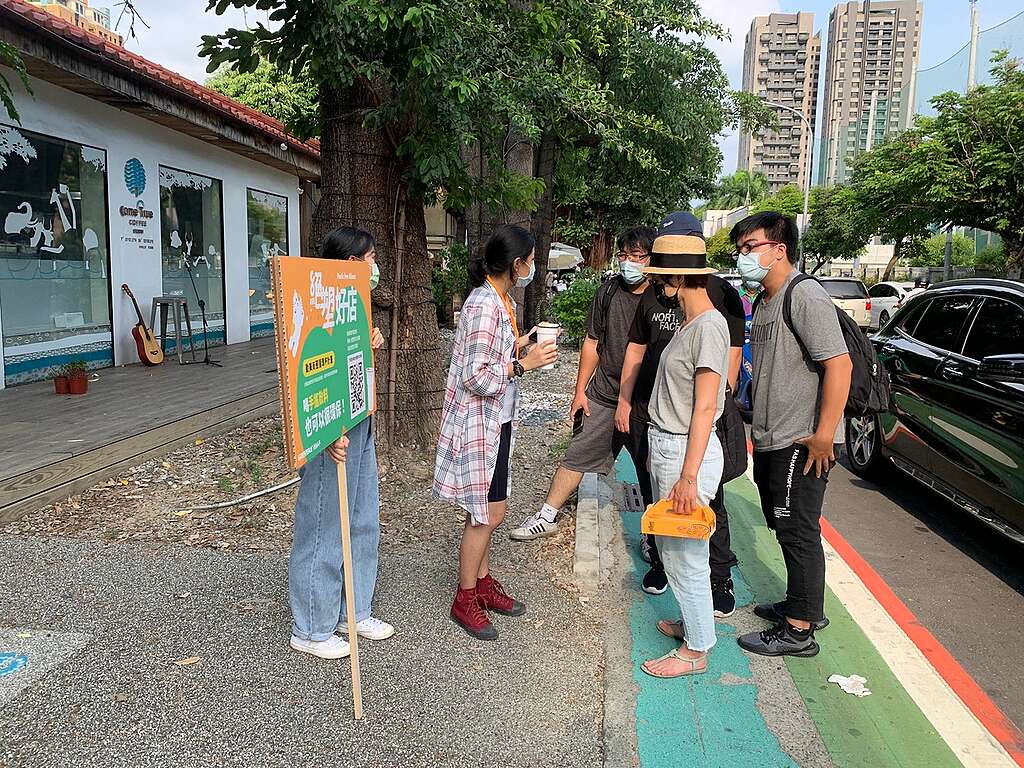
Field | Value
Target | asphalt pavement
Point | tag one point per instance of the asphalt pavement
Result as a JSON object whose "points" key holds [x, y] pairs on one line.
{"points": [[101, 626], [964, 581]]}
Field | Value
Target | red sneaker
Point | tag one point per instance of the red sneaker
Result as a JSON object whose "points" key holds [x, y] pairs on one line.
{"points": [[494, 598], [468, 614]]}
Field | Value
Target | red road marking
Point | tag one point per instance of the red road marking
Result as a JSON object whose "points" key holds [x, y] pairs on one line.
{"points": [[976, 700]]}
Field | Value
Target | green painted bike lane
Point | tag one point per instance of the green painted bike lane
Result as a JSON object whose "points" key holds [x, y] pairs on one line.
{"points": [[713, 720]]}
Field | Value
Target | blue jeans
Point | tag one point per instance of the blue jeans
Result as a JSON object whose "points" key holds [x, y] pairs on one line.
{"points": [[687, 563], [315, 569]]}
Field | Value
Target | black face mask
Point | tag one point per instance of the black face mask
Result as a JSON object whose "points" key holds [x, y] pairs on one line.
{"points": [[668, 302]]}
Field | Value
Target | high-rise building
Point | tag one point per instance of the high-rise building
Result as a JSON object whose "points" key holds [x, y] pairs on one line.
{"points": [[780, 64], [78, 12], [873, 50]]}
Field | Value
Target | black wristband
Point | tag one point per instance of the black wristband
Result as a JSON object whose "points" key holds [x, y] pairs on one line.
{"points": [[517, 368]]}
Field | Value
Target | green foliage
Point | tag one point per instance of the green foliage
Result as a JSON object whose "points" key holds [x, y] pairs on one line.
{"points": [[721, 251], [992, 257], [839, 228], [74, 368], [933, 254], [9, 57], [738, 189], [450, 278], [290, 99], [788, 200], [572, 306]]}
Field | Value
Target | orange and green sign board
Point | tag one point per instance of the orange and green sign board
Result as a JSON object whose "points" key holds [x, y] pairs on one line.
{"points": [[322, 327]]}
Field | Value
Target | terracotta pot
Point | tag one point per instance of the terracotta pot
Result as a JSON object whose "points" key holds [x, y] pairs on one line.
{"points": [[78, 385], [60, 385]]}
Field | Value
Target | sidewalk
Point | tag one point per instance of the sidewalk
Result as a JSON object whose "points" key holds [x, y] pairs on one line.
{"points": [[766, 712]]}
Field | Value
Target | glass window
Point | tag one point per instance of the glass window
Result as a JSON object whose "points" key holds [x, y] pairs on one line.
{"points": [[997, 330], [845, 289], [881, 291], [192, 246], [54, 285], [909, 320], [943, 321], [267, 216]]}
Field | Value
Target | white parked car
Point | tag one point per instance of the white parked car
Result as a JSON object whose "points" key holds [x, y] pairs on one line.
{"points": [[886, 298], [850, 295]]}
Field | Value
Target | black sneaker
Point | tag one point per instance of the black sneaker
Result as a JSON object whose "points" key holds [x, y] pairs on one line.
{"points": [[780, 640], [773, 612], [724, 598], [655, 582]]}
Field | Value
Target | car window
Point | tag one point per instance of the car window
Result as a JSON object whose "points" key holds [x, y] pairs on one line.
{"points": [[943, 320], [908, 322], [880, 291], [997, 330], [845, 289]]}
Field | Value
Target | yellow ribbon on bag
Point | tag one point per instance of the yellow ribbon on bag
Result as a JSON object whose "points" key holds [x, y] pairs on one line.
{"points": [[660, 520]]}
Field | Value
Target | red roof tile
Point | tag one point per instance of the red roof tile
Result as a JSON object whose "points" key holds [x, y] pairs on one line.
{"points": [[120, 57]]}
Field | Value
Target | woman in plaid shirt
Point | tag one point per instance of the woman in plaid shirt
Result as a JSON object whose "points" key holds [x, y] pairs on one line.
{"points": [[477, 422]]}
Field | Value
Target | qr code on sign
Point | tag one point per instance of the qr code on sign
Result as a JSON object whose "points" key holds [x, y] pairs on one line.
{"points": [[356, 384]]}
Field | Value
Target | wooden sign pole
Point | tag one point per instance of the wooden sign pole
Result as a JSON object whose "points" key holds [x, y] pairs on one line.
{"points": [[350, 593]]}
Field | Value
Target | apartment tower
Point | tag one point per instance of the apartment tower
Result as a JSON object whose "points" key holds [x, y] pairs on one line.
{"points": [[78, 12], [780, 64], [872, 58]]}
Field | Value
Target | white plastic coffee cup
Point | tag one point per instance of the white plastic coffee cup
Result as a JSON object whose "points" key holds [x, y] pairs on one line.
{"points": [[547, 332]]}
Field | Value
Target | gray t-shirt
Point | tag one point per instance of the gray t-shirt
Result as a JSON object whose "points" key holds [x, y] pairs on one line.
{"points": [[786, 387], [701, 343], [611, 330]]}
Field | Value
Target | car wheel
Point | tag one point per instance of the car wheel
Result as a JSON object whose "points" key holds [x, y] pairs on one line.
{"points": [[864, 447], [883, 319]]}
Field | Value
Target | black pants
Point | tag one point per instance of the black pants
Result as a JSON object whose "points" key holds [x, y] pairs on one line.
{"points": [[791, 502], [722, 557]]}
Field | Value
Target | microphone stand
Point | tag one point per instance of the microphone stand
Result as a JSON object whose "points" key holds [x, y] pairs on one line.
{"points": [[202, 312]]}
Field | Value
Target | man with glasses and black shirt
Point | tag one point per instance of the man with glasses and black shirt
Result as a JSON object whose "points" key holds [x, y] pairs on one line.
{"points": [[801, 381], [658, 317], [595, 440]]}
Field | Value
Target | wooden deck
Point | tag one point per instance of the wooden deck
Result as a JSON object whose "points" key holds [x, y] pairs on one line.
{"points": [[53, 446]]}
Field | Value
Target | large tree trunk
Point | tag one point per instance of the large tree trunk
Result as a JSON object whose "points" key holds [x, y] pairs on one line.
{"points": [[896, 249], [1014, 256], [543, 220], [601, 249], [361, 184]]}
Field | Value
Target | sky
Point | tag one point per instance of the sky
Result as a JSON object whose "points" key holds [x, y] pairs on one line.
{"points": [[175, 29]]}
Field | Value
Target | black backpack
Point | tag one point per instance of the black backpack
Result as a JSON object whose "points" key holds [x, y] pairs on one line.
{"points": [[869, 381]]}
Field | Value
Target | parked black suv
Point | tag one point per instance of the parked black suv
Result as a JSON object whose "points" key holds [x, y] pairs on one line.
{"points": [[955, 354]]}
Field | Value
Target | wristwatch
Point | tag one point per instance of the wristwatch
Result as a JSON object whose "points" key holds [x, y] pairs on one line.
{"points": [[517, 368]]}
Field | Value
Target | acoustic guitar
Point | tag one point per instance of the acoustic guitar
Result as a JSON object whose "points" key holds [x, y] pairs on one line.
{"points": [[150, 352]]}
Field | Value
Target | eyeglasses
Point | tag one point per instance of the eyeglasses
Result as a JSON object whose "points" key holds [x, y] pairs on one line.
{"points": [[748, 247], [636, 256]]}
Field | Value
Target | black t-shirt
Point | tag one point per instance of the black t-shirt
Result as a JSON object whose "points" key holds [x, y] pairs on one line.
{"points": [[654, 325], [611, 314]]}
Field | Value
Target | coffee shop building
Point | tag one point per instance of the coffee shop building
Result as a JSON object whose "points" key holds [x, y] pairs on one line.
{"points": [[124, 173]]}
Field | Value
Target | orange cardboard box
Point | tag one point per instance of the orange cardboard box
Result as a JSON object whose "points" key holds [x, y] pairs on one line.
{"points": [[660, 520]]}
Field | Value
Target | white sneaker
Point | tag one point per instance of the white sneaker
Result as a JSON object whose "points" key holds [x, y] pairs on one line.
{"points": [[333, 647], [534, 527], [370, 629]]}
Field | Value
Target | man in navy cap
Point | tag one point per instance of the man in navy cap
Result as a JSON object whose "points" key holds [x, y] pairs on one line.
{"points": [[657, 319]]}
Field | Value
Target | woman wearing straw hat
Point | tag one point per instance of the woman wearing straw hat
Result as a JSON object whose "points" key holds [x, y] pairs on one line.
{"points": [[685, 453]]}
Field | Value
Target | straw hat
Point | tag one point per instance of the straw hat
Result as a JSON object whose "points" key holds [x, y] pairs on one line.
{"points": [[679, 248]]}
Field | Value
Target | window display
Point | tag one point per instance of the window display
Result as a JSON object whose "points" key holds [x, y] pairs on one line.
{"points": [[267, 216], [54, 259]]}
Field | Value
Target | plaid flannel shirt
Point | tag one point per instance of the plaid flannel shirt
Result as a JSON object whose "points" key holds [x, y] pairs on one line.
{"points": [[467, 448]]}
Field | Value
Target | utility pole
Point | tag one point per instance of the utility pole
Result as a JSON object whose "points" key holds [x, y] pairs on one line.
{"points": [[972, 60], [947, 261]]}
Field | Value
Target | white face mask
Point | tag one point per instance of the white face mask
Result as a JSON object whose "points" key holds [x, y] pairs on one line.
{"points": [[524, 280], [632, 273]]}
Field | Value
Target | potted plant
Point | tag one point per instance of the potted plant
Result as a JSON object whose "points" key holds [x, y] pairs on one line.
{"points": [[60, 381], [78, 384]]}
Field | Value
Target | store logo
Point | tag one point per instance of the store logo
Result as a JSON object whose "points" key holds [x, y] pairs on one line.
{"points": [[135, 176]]}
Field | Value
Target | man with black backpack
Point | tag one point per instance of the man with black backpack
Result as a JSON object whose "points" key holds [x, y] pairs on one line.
{"points": [[801, 383]]}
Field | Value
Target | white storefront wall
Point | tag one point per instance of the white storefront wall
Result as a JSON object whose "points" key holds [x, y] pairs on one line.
{"points": [[62, 114]]}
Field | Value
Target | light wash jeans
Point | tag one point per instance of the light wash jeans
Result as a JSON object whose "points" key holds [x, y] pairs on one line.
{"points": [[687, 564], [315, 569]]}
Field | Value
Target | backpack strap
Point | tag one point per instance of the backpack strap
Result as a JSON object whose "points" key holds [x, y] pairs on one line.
{"points": [[603, 301], [787, 310]]}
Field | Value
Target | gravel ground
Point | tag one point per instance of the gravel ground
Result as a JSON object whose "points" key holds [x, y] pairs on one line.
{"points": [[135, 585]]}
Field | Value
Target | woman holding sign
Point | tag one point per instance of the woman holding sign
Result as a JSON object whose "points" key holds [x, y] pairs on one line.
{"points": [[315, 570], [477, 423]]}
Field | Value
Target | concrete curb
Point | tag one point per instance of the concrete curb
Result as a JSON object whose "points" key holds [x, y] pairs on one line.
{"points": [[596, 523]]}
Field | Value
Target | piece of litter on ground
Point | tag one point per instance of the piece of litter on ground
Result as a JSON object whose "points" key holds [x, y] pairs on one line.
{"points": [[183, 595], [23, 635], [854, 684], [189, 660]]}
